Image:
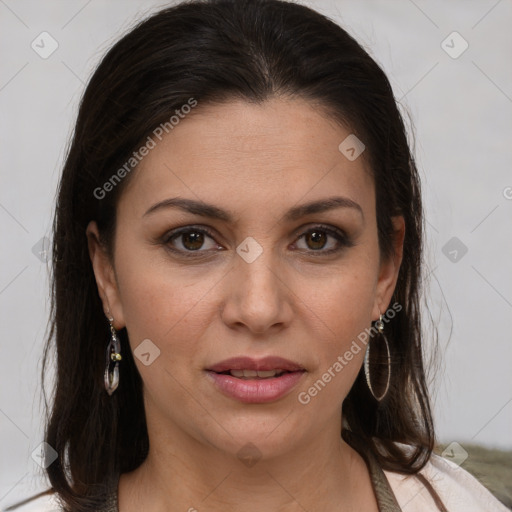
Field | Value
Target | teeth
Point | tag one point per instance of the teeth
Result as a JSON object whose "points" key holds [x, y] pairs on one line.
{"points": [[251, 374], [268, 373]]}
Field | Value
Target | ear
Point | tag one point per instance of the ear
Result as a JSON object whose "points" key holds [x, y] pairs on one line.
{"points": [[389, 268], [105, 276]]}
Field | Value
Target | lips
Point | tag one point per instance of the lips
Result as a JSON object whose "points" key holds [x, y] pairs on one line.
{"points": [[255, 380], [266, 364]]}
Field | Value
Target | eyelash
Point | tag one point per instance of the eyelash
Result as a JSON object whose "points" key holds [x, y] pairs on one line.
{"points": [[338, 234]]}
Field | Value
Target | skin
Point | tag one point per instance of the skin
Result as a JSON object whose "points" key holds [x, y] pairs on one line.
{"points": [[257, 162]]}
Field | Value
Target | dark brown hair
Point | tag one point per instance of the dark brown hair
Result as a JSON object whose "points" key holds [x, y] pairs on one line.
{"points": [[215, 51]]}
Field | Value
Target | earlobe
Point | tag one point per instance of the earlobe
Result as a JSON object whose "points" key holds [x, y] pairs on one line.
{"points": [[105, 276], [389, 269]]}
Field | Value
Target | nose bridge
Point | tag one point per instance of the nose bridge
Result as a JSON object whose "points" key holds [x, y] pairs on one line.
{"points": [[257, 291], [257, 266]]}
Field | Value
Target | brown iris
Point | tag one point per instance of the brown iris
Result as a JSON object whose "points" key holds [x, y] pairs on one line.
{"points": [[193, 240], [318, 239]]}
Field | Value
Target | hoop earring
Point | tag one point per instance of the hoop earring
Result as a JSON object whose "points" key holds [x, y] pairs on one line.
{"points": [[113, 356], [379, 324]]}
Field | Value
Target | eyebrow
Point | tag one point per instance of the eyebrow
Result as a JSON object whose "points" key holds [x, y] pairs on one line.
{"points": [[214, 212]]}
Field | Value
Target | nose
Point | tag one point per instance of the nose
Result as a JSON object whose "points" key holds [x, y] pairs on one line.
{"points": [[257, 297]]}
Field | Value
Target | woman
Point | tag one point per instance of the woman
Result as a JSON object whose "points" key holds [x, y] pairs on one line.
{"points": [[237, 262]]}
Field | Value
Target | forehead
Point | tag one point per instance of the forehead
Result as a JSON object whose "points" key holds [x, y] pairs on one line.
{"points": [[278, 152]]}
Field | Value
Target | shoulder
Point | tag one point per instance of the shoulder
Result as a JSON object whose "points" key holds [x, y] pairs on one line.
{"points": [[457, 488]]}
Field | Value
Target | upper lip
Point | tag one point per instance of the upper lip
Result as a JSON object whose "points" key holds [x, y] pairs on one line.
{"points": [[248, 363]]}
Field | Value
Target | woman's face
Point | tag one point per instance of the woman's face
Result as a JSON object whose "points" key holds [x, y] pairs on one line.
{"points": [[254, 274]]}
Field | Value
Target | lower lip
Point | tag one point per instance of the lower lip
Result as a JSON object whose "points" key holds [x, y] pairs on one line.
{"points": [[256, 391]]}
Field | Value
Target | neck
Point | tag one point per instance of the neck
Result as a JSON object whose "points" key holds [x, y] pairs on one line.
{"points": [[182, 473]]}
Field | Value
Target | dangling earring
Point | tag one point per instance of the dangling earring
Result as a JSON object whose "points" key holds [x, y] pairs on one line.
{"points": [[379, 324], [113, 357]]}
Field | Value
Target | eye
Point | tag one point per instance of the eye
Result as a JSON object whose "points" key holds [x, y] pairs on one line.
{"points": [[189, 239], [317, 239]]}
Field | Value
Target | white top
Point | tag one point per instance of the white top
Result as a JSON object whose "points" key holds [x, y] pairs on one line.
{"points": [[459, 491]]}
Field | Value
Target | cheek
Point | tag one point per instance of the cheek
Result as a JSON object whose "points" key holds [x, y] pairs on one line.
{"points": [[341, 307], [344, 299], [339, 347], [344, 310], [161, 301], [162, 307], [170, 312]]}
